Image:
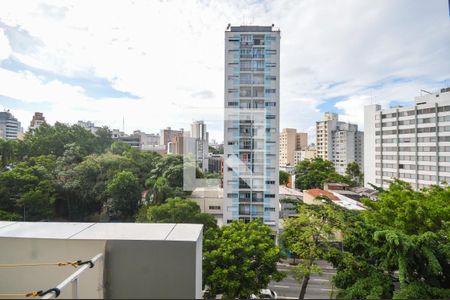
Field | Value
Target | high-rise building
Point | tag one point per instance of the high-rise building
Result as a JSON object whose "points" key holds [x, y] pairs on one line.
{"points": [[38, 120], [201, 136], [410, 143], [9, 126], [168, 135], [290, 142], [339, 142], [252, 105]]}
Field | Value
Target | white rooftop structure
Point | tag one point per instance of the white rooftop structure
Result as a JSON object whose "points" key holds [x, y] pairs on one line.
{"points": [[137, 260], [347, 202]]}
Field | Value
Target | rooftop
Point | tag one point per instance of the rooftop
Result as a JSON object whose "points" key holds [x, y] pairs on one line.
{"points": [[100, 231], [128, 260], [288, 192], [319, 192], [252, 28]]}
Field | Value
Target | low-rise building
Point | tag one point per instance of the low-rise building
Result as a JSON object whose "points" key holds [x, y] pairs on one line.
{"points": [[308, 153], [210, 200], [314, 197], [289, 199]]}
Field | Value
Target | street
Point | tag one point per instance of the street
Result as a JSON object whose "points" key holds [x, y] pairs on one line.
{"points": [[319, 286]]}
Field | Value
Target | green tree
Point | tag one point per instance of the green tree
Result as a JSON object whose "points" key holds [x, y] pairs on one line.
{"points": [[177, 210], [125, 193], [313, 173], [309, 236], [8, 152], [83, 186], [353, 171], [159, 189], [119, 148], [28, 189], [103, 139], [239, 260], [49, 139], [284, 177], [405, 232]]}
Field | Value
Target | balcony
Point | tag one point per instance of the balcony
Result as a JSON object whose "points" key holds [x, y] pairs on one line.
{"points": [[129, 260]]}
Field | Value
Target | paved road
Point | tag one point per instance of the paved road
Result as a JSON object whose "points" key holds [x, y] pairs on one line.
{"points": [[319, 286]]}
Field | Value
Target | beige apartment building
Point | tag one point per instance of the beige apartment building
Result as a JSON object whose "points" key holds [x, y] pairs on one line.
{"points": [[339, 142], [291, 141]]}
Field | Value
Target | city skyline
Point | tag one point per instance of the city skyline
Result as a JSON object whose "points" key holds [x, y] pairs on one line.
{"points": [[137, 64]]}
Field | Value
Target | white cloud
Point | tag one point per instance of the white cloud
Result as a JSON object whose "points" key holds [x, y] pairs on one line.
{"points": [[170, 54], [5, 49]]}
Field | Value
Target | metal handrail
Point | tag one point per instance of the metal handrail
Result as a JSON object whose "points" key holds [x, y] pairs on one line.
{"points": [[73, 279]]}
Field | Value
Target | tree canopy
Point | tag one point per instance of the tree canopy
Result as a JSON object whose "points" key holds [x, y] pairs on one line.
{"points": [[403, 237], [239, 260], [177, 210], [353, 171], [313, 173], [309, 236], [284, 177], [64, 172]]}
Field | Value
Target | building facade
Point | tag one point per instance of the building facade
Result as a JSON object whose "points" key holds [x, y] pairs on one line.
{"points": [[409, 143], [168, 135], [201, 136], [9, 126], [339, 142], [251, 142], [308, 153], [290, 142]]}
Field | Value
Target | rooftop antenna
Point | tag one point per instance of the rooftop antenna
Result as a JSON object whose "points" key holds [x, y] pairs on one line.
{"points": [[123, 123], [429, 93]]}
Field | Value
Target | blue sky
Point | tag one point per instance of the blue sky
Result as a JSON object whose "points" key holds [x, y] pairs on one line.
{"points": [[160, 64]]}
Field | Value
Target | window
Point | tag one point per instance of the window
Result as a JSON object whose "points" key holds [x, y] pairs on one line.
{"points": [[214, 207]]}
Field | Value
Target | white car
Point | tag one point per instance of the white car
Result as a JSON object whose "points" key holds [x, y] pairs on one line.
{"points": [[265, 294]]}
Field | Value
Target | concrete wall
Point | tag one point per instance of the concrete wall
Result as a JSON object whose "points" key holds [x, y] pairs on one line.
{"points": [[140, 260], [27, 279]]}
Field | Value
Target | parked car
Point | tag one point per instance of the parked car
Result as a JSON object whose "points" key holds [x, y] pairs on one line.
{"points": [[265, 294]]}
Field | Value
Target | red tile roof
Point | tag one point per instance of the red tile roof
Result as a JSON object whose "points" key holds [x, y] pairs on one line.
{"points": [[319, 192]]}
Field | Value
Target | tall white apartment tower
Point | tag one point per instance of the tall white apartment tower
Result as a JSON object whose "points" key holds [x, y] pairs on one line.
{"points": [[252, 118], [409, 143], [201, 136], [339, 142]]}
